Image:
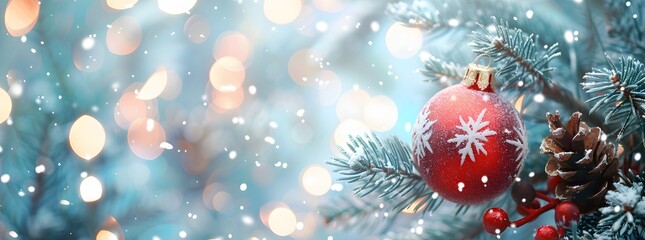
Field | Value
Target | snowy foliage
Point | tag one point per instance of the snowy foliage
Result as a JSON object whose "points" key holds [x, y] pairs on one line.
{"points": [[474, 135], [422, 133], [623, 217]]}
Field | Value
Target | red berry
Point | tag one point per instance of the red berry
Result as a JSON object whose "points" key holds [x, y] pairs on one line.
{"points": [[546, 232], [523, 193], [553, 182], [566, 212], [495, 220], [525, 210]]}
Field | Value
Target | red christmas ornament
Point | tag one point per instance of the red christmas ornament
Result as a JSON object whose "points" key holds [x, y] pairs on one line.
{"points": [[495, 220], [468, 142], [566, 212], [546, 232]]}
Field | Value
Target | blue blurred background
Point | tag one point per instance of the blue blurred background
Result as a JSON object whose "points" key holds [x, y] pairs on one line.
{"points": [[243, 103]]}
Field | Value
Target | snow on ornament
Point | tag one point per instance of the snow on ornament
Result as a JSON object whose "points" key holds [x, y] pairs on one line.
{"points": [[466, 133]]}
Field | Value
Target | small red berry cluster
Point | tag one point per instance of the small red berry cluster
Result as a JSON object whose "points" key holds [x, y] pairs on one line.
{"points": [[524, 194]]}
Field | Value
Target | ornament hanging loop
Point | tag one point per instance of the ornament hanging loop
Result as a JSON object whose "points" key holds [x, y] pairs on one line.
{"points": [[490, 59], [480, 77]]}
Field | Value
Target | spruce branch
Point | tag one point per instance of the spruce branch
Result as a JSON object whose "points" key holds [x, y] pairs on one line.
{"points": [[625, 27], [357, 214], [621, 90], [446, 73], [523, 64], [385, 167]]}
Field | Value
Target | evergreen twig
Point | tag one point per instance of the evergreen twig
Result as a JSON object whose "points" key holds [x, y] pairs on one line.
{"points": [[385, 167], [621, 89]]}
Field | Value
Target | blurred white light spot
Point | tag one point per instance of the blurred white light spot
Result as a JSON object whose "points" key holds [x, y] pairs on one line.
{"points": [[529, 14], [243, 187], [484, 179], [64, 202], [166, 145], [183, 234], [13, 234], [336, 187], [232, 154], [375, 26], [321, 26], [269, 140], [247, 220], [568, 36], [87, 43], [453, 22], [91, 189], [150, 125], [40, 168], [460, 186], [637, 156], [252, 90], [5, 178], [300, 225], [538, 98], [300, 112]]}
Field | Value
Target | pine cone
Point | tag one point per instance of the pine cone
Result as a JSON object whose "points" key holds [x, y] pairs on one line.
{"points": [[587, 164]]}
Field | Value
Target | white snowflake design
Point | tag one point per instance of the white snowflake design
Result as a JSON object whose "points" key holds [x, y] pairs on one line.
{"points": [[473, 136], [521, 143], [422, 133]]}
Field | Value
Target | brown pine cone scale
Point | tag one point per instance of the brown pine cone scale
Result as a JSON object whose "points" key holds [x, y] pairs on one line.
{"points": [[587, 164]]}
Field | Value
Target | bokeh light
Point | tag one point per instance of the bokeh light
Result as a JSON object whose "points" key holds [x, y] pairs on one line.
{"points": [[106, 235], [145, 137], [88, 56], [129, 108], [197, 29], [329, 87], [282, 221], [227, 74], [329, 5], [176, 6], [345, 129], [155, 85], [87, 137], [173, 86], [227, 100], [316, 180], [91, 189], [121, 4], [20, 16], [5, 105], [351, 104], [123, 35], [110, 230], [233, 44], [282, 11], [304, 66], [380, 113], [402, 41]]}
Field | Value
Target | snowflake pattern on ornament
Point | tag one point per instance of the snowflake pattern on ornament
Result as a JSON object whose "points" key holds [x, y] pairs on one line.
{"points": [[521, 143], [422, 133], [473, 136]]}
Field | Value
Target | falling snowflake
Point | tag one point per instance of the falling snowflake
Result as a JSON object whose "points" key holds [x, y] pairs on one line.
{"points": [[472, 136], [422, 133], [521, 142]]}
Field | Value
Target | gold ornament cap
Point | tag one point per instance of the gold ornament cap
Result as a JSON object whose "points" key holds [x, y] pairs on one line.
{"points": [[480, 77]]}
